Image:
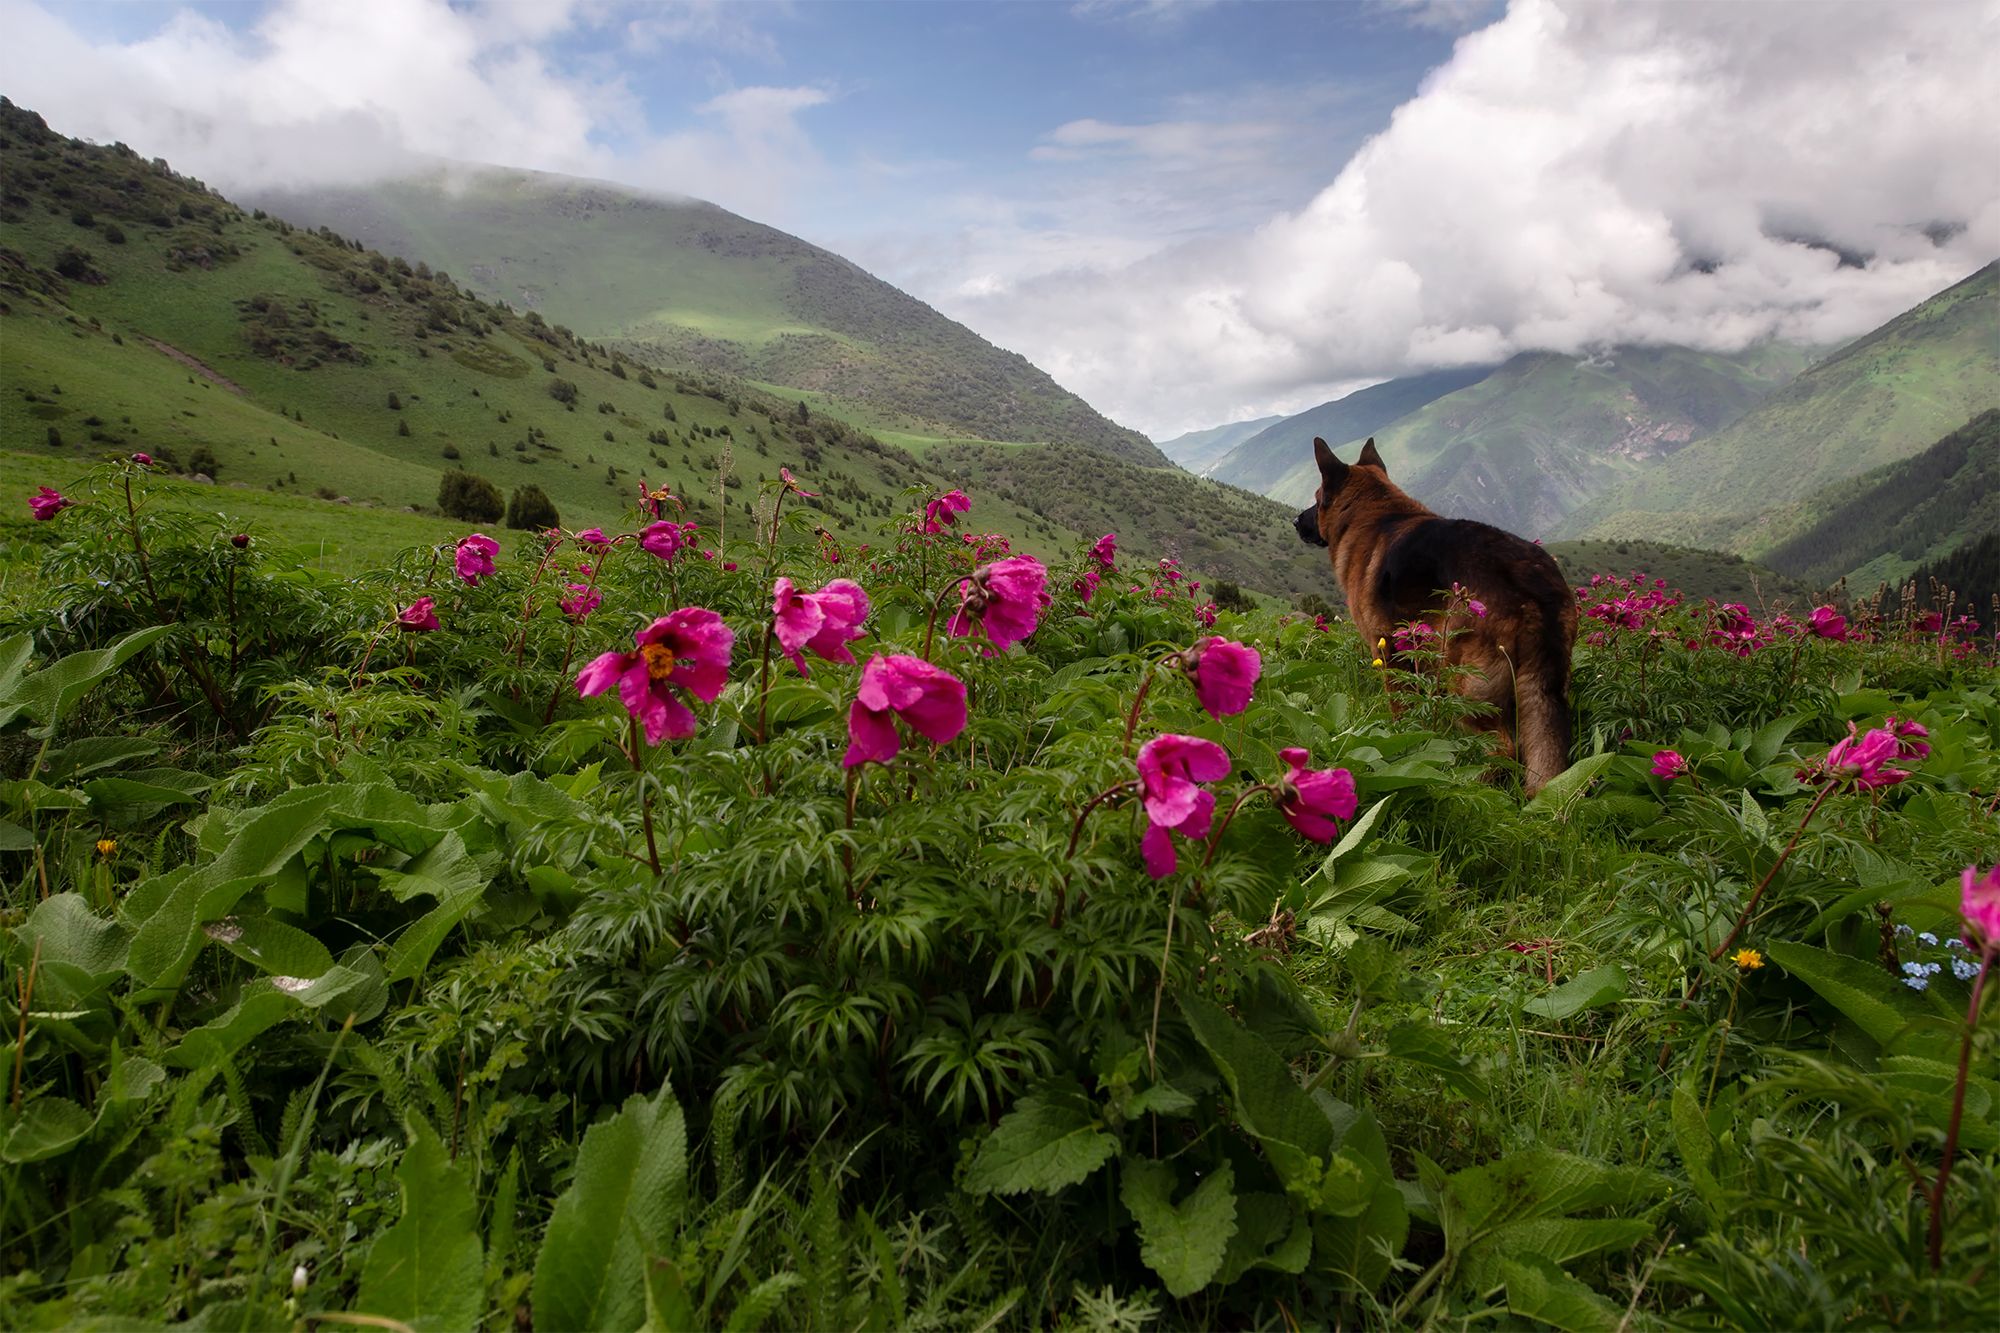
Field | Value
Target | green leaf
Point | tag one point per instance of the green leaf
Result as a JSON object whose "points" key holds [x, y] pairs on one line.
{"points": [[1561, 793], [1184, 1244], [90, 753], [619, 1212], [1519, 1205], [271, 946], [1268, 1101], [1360, 1249], [427, 1269], [1357, 833], [1426, 1045], [47, 694], [264, 1004], [1697, 1148], [1602, 985], [47, 1127], [1877, 1003], [148, 786], [1271, 1232], [1050, 1140], [1771, 738], [452, 876], [70, 932], [1537, 1289]]}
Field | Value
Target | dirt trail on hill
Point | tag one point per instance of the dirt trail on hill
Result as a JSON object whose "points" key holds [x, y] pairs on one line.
{"points": [[191, 363]]}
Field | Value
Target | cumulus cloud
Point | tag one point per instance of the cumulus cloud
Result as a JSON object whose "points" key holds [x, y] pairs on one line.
{"points": [[1577, 175], [312, 93]]}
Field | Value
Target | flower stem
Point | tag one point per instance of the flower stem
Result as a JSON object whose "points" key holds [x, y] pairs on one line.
{"points": [[1957, 1110], [638, 756], [1132, 718], [1743, 919], [1215, 838]]}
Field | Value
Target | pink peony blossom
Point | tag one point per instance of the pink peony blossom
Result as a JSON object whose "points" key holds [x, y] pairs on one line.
{"points": [[474, 558], [1086, 586], [1170, 767], [683, 652], [143, 460], [1477, 607], [1106, 549], [1910, 738], [821, 622], [1311, 800], [47, 502], [240, 541], [1223, 673], [1007, 598], [1204, 615], [930, 700], [941, 512], [1828, 623], [1864, 760], [1979, 903], [1669, 764], [417, 616], [582, 600], [729, 566], [593, 540], [663, 539], [791, 483]]}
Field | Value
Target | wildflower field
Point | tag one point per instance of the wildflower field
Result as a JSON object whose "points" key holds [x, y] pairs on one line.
{"points": [[603, 929]]}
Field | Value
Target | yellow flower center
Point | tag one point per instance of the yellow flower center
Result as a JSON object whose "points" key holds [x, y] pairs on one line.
{"points": [[659, 660], [1749, 960], [106, 846]]}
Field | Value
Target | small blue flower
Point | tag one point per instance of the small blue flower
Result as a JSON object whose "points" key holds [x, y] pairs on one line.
{"points": [[1917, 983], [1928, 938], [1954, 943], [1913, 969], [1964, 969], [1904, 930]]}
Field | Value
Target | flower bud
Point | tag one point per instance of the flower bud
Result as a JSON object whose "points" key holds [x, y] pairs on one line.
{"points": [[240, 540], [299, 1280]]}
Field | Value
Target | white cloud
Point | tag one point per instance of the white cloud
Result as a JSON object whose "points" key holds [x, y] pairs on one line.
{"points": [[1578, 174]]}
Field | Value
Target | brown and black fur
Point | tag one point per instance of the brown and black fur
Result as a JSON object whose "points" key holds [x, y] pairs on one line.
{"points": [[1392, 556]]}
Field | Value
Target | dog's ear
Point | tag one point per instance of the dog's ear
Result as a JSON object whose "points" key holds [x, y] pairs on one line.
{"points": [[1332, 472], [1369, 457]]}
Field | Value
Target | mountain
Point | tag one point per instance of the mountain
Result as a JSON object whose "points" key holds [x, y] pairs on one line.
{"points": [[140, 310], [1879, 399], [1881, 525], [1545, 432], [1260, 462], [1198, 449], [683, 282]]}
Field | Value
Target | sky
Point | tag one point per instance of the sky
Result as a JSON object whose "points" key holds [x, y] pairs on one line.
{"points": [[1189, 213]]}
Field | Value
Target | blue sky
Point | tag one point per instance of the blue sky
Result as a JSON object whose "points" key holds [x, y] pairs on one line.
{"points": [[1189, 213]]}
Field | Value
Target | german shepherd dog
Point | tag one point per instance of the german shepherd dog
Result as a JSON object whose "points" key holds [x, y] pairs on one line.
{"points": [[1393, 557]]}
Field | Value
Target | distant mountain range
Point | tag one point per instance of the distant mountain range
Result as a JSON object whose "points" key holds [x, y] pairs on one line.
{"points": [[1199, 450], [683, 282]]}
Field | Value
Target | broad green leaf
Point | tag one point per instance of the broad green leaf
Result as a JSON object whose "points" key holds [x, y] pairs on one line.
{"points": [[265, 1003], [1183, 1243], [1271, 1232], [619, 1212], [1602, 985], [427, 1270], [47, 1127], [1359, 1250], [70, 932], [1160, 1099], [1877, 1003], [1771, 738], [1697, 1148], [1561, 793], [444, 871], [1269, 1103], [1357, 833], [147, 786], [271, 946], [1050, 1140], [1558, 1239], [1541, 1183], [48, 694], [1537, 1289], [14, 838], [1426, 1045], [90, 753]]}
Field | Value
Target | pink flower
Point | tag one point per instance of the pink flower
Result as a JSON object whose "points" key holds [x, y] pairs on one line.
{"points": [[1086, 587], [1204, 615], [705, 553], [417, 616], [1930, 622], [1669, 764], [1106, 549], [593, 539], [583, 599], [940, 513], [1910, 742], [822, 622], [1979, 903], [1477, 607], [240, 540], [930, 700], [1170, 766], [47, 502], [1007, 596], [474, 558], [662, 539], [729, 566], [143, 460], [683, 652], [791, 484], [1312, 799], [1828, 623], [1864, 760], [1223, 673]]}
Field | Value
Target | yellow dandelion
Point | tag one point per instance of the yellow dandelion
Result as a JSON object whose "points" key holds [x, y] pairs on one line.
{"points": [[106, 846], [1380, 644], [1378, 661], [1748, 960]]}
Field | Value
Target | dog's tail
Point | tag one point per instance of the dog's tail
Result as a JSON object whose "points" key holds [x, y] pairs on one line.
{"points": [[1541, 698]]}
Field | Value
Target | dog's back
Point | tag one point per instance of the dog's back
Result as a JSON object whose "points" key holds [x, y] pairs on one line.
{"points": [[1392, 557]]}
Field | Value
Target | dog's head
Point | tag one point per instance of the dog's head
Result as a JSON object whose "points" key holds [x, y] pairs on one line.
{"points": [[1320, 524]]}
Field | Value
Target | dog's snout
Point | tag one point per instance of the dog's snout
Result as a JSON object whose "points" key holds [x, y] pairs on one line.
{"points": [[1308, 526]]}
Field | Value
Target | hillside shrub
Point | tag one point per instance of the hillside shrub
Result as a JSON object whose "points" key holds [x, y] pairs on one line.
{"points": [[469, 496], [563, 391], [530, 509]]}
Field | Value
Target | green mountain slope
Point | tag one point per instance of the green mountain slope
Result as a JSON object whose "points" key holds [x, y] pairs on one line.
{"points": [[1198, 450], [1884, 523], [682, 282], [1545, 433], [143, 311], [1263, 460], [1879, 399]]}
